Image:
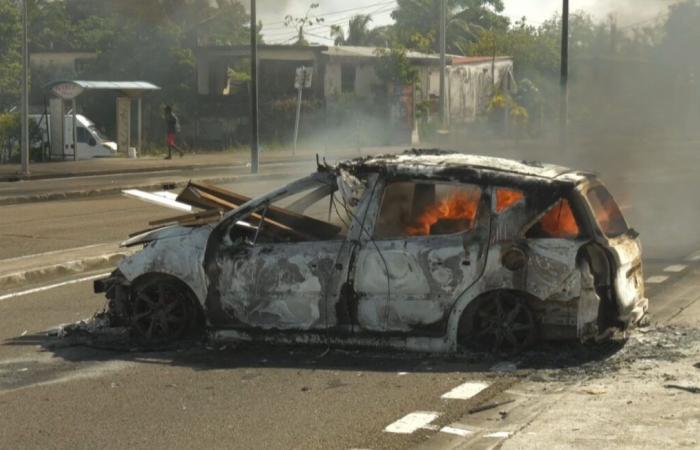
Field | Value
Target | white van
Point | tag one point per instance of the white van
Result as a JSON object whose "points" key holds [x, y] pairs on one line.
{"points": [[91, 143]]}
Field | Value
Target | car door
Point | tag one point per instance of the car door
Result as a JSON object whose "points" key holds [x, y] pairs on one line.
{"points": [[282, 286], [273, 277], [428, 244]]}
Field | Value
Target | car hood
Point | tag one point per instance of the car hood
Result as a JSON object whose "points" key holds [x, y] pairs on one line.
{"points": [[169, 232]]}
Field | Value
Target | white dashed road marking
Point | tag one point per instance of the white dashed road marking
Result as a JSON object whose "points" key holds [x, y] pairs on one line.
{"points": [[456, 431], [465, 391], [694, 257], [498, 434], [412, 422], [675, 268], [657, 279], [52, 286]]}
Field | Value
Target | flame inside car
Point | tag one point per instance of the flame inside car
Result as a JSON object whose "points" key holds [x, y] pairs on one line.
{"points": [[456, 211], [505, 198], [560, 222]]}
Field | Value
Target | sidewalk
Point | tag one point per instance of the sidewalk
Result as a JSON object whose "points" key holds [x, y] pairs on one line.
{"points": [[191, 161]]}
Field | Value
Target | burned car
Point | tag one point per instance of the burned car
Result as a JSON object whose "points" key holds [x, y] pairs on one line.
{"points": [[425, 250]]}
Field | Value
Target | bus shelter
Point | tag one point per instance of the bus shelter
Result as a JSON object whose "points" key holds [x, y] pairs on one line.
{"points": [[70, 90]]}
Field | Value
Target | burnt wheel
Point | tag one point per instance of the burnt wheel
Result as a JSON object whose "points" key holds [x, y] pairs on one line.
{"points": [[162, 310], [502, 323]]}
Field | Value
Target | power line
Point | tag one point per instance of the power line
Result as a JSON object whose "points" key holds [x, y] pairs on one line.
{"points": [[333, 13], [283, 32], [380, 10]]}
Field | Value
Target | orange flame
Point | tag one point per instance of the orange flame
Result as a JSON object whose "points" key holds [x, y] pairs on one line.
{"points": [[505, 198], [560, 222], [458, 206]]}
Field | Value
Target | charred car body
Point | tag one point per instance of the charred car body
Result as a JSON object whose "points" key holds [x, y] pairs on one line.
{"points": [[425, 250]]}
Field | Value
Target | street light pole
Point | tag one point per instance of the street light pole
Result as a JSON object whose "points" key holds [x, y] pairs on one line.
{"points": [[443, 63], [255, 135], [564, 94], [24, 150]]}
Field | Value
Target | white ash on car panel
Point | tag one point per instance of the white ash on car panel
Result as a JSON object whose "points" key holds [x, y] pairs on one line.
{"points": [[286, 292]]}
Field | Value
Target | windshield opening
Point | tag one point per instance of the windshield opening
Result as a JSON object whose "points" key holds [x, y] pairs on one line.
{"points": [[96, 133], [607, 212]]}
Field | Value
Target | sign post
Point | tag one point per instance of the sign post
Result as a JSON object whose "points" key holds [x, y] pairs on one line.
{"points": [[70, 91], [303, 80]]}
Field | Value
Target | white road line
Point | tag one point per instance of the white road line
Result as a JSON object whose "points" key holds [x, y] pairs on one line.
{"points": [[412, 422], [675, 268], [456, 431], [52, 286], [657, 279], [694, 256], [465, 391], [56, 252], [498, 434]]}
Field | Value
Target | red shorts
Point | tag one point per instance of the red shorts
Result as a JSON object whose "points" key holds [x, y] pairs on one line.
{"points": [[170, 139]]}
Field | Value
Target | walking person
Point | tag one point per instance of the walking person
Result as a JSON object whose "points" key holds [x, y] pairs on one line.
{"points": [[173, 127]]}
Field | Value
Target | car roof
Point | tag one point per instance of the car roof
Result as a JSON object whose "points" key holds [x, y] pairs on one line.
{"points": [[440, 163]]}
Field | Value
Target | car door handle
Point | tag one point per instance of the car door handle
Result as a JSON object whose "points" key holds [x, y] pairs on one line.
{"points": [[467, 261]]}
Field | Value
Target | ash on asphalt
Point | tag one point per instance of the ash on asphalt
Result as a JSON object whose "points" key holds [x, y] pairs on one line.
{"points": [[565, 361], [570, 362]]}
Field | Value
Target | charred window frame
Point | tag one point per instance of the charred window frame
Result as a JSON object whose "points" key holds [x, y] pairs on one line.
{"points": [[294, 226], [505, 198], [532, 230], [606, 213], [411, 223]]}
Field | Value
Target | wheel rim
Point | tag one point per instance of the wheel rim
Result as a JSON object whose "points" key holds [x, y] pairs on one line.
{"points": [[503, 324], [160, 312]]}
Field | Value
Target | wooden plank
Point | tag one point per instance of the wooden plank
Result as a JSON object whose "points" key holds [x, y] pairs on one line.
{"points": [[222, 198]]}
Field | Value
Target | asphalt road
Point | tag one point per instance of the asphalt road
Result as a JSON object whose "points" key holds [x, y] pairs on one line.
{"points": [[38, 227], [54, 395]]}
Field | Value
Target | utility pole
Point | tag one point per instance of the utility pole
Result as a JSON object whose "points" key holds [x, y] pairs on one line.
{"points": [[255, 135], [564, 94], [25, 91], [443, 64]]}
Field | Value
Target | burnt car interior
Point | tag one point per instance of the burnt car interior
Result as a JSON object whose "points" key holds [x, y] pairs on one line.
{"points": [[413, 209]]}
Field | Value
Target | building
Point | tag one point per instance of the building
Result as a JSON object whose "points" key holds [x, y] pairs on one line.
{"points": [[345, 79]]}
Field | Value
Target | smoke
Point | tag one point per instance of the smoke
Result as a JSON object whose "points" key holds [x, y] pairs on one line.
{"points": [[628, 12]]}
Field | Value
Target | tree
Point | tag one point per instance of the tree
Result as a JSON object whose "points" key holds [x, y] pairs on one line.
{"points": [[299, 23], [10, 54], [359, 33], [418, 22]]}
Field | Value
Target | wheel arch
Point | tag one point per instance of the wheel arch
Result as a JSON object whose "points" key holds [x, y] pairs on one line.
{"points": [[466, 306], [191, 294]]}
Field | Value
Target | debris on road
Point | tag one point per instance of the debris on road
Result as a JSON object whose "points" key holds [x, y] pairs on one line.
{"points": [[691, 389], [488, 406]]}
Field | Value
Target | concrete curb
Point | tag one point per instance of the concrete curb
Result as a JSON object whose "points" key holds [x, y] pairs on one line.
{"points": [[45, 273], [15, 177]]}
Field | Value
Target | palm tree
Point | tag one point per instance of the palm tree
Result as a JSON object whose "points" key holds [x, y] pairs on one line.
{"points": [[359, 33], [466, 19]]}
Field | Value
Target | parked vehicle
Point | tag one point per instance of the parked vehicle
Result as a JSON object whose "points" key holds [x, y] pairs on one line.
{"points": [[425, 250], [91, 143]]}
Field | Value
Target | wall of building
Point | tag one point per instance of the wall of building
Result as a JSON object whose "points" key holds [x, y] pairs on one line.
{"points": [[470, 87]]}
